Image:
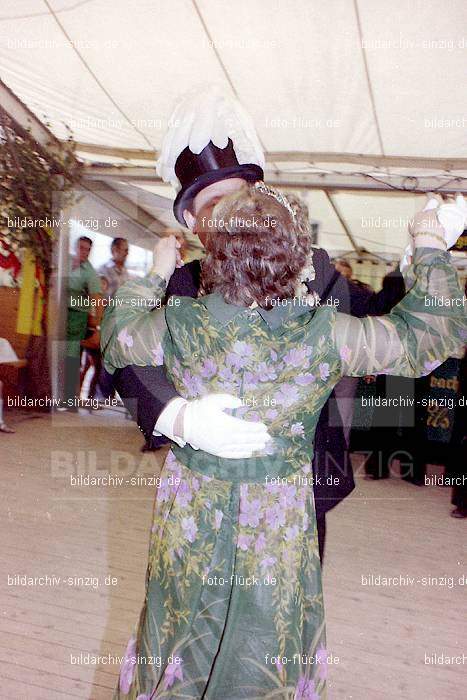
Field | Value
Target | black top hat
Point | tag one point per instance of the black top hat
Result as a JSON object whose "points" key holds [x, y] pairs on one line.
{"points": [[195, 171]]}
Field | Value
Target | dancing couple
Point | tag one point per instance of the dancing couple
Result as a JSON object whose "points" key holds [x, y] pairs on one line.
{"points": [[266, 359]]}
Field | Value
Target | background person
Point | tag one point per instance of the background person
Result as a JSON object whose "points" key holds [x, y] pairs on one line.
{"points": [[380, 442], [456, 466], [114, 270], [344, 268], [115, 273], [4, 428], [83, 286], [457, 462], [92, 358]]}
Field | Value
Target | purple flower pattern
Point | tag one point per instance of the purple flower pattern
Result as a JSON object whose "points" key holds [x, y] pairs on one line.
{"points": [[208, 368], [127, 670], [158, 355], [244, 541], [345, 353], [218, 516], [287, 395], [305, 690], [184, 495], [322, 662], [298, 357], [192, 383], [125, 339], [249, 512], [297, 429], [250, 381], [189, 528], [173, 672], [266, 372], [275, 516], [305, 379]]}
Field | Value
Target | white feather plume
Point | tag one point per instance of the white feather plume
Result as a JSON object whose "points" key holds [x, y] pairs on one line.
{"points": [[208, 114]]}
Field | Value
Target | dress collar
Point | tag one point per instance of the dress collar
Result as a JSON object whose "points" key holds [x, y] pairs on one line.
{"points": [[274, 317]]}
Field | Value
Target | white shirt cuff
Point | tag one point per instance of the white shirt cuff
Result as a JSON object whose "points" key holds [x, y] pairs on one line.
{"points": [[166, 421]]}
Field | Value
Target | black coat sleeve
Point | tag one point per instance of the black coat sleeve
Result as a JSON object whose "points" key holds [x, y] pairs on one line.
{"points": [[332, 470], [364, 302], [330, 285], [391, 293], [146, 391]]}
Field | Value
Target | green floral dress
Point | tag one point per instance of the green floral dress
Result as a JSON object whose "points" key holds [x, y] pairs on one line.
{"points": [[234, 604]]}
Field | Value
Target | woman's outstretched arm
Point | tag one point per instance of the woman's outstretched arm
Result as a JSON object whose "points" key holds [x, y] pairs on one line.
{"points": [[427, 326], [424, 329], [134, 324], [133, 327]]}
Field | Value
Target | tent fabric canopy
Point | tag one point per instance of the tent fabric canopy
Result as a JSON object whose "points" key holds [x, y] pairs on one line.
{"points": [[344, 95]]}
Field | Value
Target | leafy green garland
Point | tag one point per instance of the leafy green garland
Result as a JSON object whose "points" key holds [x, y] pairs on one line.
{"points": [[32, 182]]}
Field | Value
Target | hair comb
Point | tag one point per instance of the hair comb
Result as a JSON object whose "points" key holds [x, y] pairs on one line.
{"points": [[261, 186]]}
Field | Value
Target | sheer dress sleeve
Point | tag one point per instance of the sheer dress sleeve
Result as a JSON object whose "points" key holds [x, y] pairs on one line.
{"points": [[427, 326], [133, 327]]}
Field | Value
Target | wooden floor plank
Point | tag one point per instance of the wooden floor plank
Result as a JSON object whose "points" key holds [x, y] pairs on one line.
{"points": [[380, 634]]}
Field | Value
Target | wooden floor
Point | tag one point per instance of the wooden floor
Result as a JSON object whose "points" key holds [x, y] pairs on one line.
{"points": [[52, 528]]}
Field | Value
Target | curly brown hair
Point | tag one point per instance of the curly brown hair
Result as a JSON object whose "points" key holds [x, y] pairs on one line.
{"points": [[255, 250]]}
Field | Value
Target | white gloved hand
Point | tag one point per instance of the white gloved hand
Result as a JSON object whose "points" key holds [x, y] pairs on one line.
{"points": [[207, 427], [425, 227], [447, 220], [453, 219], [406, 258], [166, 256], [432, 203]]}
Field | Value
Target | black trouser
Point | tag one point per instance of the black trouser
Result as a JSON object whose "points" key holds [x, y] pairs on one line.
{"points": [[76, 331], [72, 365], [321, 527], [105, 383], [456, 468]]}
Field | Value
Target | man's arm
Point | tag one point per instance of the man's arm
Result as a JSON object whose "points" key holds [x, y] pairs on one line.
{"points": [[391, 293], [328, 283], [352, 298], [145, 391]]}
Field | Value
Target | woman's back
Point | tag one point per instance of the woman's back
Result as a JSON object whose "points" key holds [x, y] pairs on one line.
{"points": [[264, 358]]}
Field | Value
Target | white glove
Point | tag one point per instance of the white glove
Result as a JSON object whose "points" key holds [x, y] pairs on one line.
{"points": [[406, 258], [166, 256], [407, 255], [453, 219], [207, 427], [439, 221]]}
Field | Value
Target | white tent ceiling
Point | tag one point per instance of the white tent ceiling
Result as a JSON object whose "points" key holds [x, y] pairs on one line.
{"points": [[344, 94]]}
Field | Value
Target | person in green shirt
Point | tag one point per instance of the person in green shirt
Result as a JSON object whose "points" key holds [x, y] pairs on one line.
{"points": [[84, 298]]}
